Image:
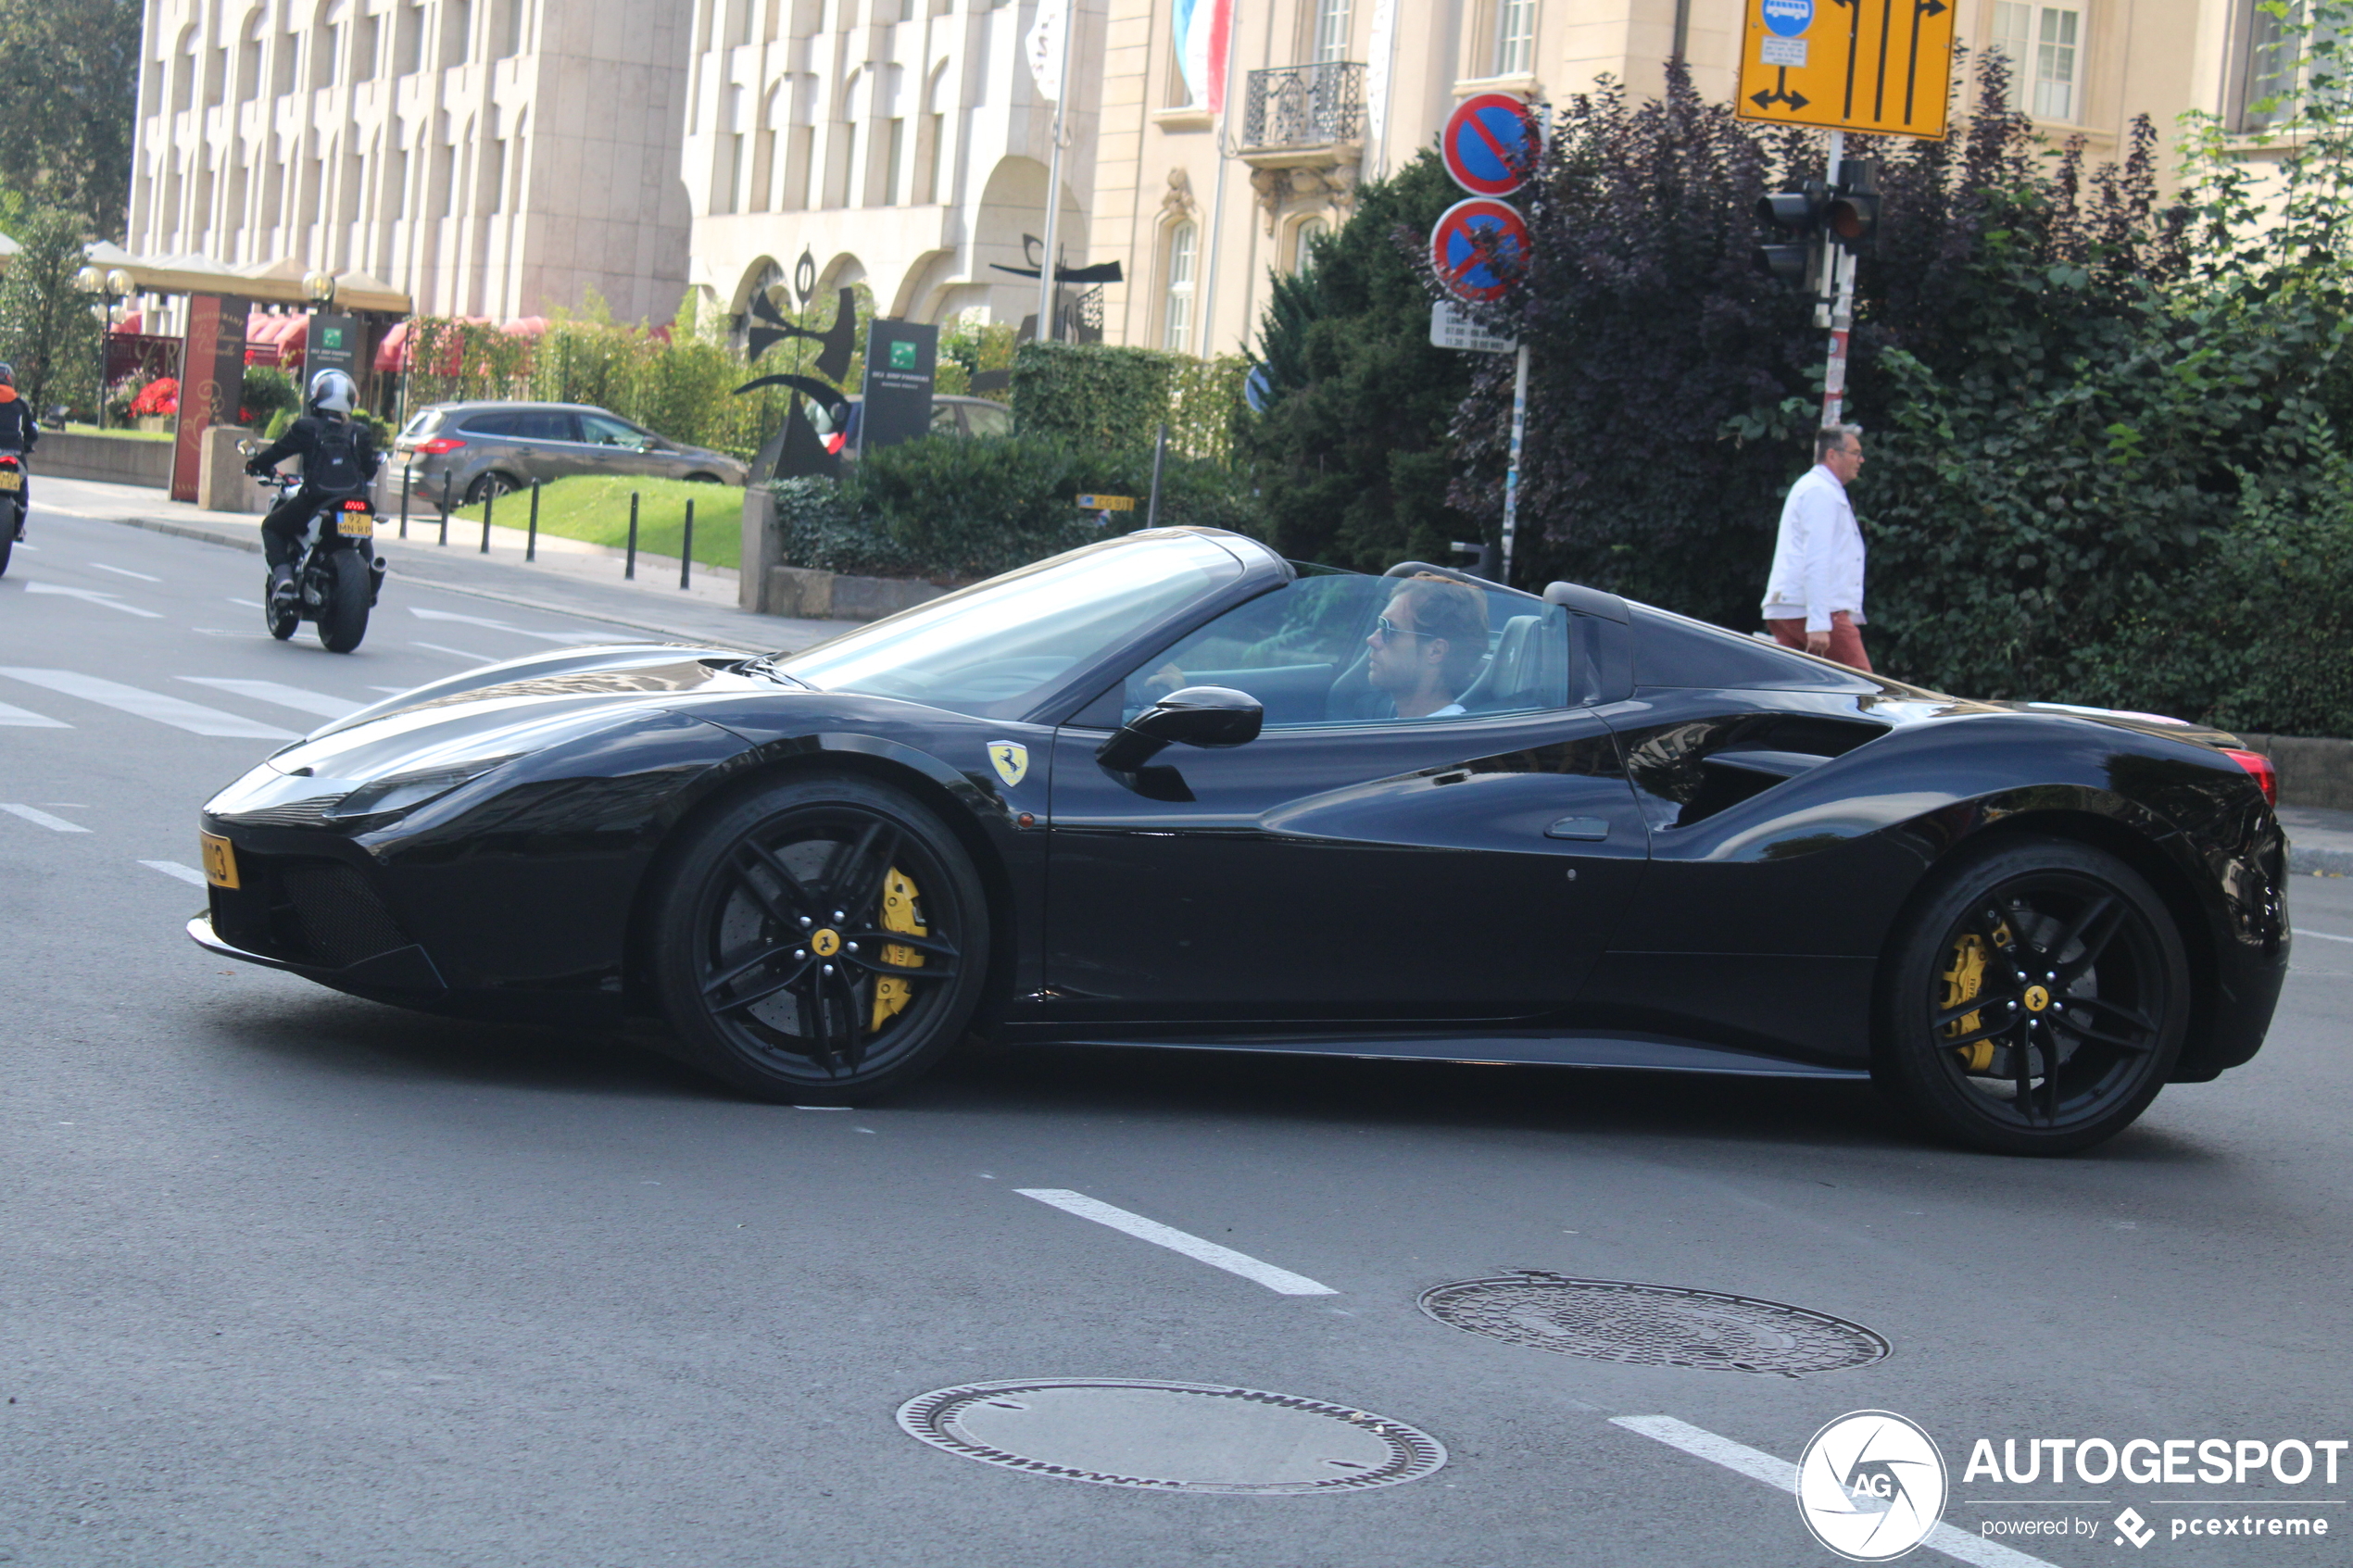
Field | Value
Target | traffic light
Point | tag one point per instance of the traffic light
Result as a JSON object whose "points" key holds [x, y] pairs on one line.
{"points": [[1852, 215], [1801, 215]]}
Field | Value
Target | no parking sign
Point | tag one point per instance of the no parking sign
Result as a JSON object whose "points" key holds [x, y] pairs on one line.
{"points": [[1490, 144], [1470, 268]]}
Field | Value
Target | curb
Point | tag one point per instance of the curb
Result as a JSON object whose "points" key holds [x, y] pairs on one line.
{"points": [[2316, 861], [253, 547]]}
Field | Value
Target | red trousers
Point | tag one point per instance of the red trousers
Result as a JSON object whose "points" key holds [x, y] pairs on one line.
{"points": [[1846, 643]]}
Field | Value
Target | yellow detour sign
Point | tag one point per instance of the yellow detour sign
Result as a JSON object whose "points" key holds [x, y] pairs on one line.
{"points": [[1880, 66]]}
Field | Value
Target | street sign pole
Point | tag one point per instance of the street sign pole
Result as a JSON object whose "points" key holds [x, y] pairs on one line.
{"points": [[1838, 311], [1511, 474]]}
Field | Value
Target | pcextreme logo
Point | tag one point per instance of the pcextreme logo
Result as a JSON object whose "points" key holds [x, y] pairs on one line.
{"points": [[1871, 1486]]}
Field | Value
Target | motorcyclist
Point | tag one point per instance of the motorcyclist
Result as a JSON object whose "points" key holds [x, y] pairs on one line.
{"points": [[18, 431], [338, 457]]}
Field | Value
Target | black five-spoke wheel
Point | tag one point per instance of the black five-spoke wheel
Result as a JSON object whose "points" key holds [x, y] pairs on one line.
{"points": [[2037, 1000], [821, 941]]}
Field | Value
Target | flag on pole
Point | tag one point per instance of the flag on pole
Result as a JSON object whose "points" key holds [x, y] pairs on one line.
{"points": [[1043, 45], [1202, 29]]}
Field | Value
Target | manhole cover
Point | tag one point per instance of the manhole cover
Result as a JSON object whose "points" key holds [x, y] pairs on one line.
{"points": [[1171, 1436], [1610, 1320]]}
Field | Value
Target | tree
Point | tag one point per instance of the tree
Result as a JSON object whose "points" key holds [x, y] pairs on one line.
{"points": [[1352, 457], [46, 330], [69, 91]]}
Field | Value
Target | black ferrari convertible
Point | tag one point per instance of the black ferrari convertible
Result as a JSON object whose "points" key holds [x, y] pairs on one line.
{"points": [[1172, 790]]}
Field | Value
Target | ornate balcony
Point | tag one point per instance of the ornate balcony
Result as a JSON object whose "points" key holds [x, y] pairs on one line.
{"points": [[1302, 109]]}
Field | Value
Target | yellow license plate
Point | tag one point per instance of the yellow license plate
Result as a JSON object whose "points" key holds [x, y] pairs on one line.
{"points": [[11, 480], [355, 525], [220, 860]]}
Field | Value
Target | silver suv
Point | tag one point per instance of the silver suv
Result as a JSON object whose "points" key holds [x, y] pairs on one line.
{"points": [[484, 449]]}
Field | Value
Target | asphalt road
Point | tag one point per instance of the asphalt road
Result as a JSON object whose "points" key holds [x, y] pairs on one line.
{"points": [[289, 1278]]}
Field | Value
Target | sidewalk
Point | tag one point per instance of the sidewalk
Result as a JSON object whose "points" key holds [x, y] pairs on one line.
{"points": [[2320, 843], [570, 577]]}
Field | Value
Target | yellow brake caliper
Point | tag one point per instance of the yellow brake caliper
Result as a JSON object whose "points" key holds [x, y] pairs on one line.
{"points": [[898, 913], [1962, 982]]}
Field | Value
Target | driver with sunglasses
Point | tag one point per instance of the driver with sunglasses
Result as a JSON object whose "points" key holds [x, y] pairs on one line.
{"points": [[1428, 648]]}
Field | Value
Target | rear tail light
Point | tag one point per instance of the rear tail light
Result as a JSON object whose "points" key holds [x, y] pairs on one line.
{"points": [[354, 506], [2267, 777], [439, 445]]}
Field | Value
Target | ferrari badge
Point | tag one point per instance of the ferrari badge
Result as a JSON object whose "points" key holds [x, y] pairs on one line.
{"points": [[1011, 760]]}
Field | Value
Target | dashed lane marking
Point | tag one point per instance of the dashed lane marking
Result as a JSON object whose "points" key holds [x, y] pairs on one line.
{"points": [[42, 818], [295, 697], [92, 595], [192, 717], [461, 653], [1280, 1281], [121, 571], [188, 874], [576, 638], [24, 718], [2323, 935], [1781, 1474]]}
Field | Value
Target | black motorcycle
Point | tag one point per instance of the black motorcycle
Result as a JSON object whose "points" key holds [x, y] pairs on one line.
{"points": [[340, 574], [12, 505]]}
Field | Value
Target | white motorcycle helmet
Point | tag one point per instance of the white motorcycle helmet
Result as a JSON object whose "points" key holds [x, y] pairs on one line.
{"points": [[332, 392]]}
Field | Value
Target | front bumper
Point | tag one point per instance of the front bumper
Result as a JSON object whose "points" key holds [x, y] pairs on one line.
{"points": [[406, 969], [319, 916]]}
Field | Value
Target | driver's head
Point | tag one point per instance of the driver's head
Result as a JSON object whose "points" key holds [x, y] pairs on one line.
{"points": [[1429, 644], [332, 392]]}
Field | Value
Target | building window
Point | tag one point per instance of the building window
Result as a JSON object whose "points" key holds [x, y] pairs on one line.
{"points": [[801, 143], [1514, 37], [2044, 46], [458, 32], [409, 40], [892, 151], [249, 61], [1176, 302], [517, 26], [1331, 30], [2275, 72], [1303, 240], [368, 41]]}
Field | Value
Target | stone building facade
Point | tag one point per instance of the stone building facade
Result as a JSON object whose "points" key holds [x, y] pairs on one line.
{"points": [[493, 158], [899, 143]]}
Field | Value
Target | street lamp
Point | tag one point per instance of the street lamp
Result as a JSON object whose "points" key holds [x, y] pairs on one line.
{"points": [[320, 287], [109, 286]]}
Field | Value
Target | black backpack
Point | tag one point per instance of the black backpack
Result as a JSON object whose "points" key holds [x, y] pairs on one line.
{"points": [[332, 465]]}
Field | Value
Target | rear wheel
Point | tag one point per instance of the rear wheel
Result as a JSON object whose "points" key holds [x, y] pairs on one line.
{"points": [[281, 619], [821, 941], [491, 484], [343, 619], [8, 548], [2035, 1002]]}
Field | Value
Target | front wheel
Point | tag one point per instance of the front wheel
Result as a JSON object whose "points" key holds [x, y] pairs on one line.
{"points": [[2035, 1001], [281, 618], [820, 942], [343, 617]]}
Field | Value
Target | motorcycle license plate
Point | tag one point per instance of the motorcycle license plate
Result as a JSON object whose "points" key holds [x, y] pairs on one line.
{"points": [[11, 480], [356, 525], [219, 860]]}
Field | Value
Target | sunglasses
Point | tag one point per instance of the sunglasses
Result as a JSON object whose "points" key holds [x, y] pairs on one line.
{"points": [[1385, 629]]}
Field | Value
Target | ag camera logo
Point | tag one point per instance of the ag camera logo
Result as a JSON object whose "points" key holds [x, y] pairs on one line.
{"points": [[1871, 1486], [1788, 18]]}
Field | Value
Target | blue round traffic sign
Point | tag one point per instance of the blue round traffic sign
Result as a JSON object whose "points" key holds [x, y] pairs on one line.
{"points": [[1788, 18], [1490, 144], [1471, 264]]}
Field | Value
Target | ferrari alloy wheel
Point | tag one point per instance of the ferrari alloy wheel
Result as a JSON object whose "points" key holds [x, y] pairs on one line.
{"points": [[820, 942], [2036, 1000]]}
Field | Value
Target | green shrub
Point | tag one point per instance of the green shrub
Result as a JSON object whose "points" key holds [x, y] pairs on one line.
{"points": [[267, 392], [818, 529], [1090, 395]]}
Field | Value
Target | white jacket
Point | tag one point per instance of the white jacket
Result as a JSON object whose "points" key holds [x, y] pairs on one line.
{"points": [[1818, 561]]}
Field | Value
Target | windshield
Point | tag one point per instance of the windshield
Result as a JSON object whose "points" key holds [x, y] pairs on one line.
{"points": [[998, 648]]}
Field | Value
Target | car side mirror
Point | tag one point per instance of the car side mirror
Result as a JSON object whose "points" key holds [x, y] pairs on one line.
{"points": [[1213, 717]]}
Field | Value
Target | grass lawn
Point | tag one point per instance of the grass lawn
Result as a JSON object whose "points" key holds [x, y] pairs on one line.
{"points": [[595, 508]]}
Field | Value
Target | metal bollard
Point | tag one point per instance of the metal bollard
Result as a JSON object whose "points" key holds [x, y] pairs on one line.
{"points": [[629, 570], [489, 500], [407, 475], [531, 540], [686, 549], [445, 510]]}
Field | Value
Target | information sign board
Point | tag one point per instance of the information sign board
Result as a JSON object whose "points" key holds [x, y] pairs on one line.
{"points": [[1449, 328], [1847, 65]]}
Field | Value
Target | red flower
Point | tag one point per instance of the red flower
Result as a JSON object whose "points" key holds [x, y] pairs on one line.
{"points": [[159, 397]]}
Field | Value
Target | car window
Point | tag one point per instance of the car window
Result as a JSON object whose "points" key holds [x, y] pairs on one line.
{"points": [[544, 424], [988, 419], [490, 422], [1337, 647], [999, 646], [943, 420], [422, 423], [603, 429]]}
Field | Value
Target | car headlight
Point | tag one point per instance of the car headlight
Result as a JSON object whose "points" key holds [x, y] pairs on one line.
{"points": [[406, 792]]}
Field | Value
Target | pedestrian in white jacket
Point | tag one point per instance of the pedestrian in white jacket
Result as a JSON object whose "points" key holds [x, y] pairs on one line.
{"points": [[1814, 599]]}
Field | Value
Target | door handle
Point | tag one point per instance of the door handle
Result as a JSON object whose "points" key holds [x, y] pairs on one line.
{"points": [[1588, 828]]}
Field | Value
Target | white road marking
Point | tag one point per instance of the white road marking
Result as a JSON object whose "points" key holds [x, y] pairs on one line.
{"points": [[248, 604], [173, 868], [2298, 929], [1280, 1281], [1781, 1476], [195, 717], [573, 637], [94, 596], [392, 691], [24, 718], [462, 653], [121, 571], [36, 549], [42, 818], [284, 695]]}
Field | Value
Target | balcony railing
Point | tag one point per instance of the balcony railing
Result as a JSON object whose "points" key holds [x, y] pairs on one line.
{"points": [[1304, 106]]}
